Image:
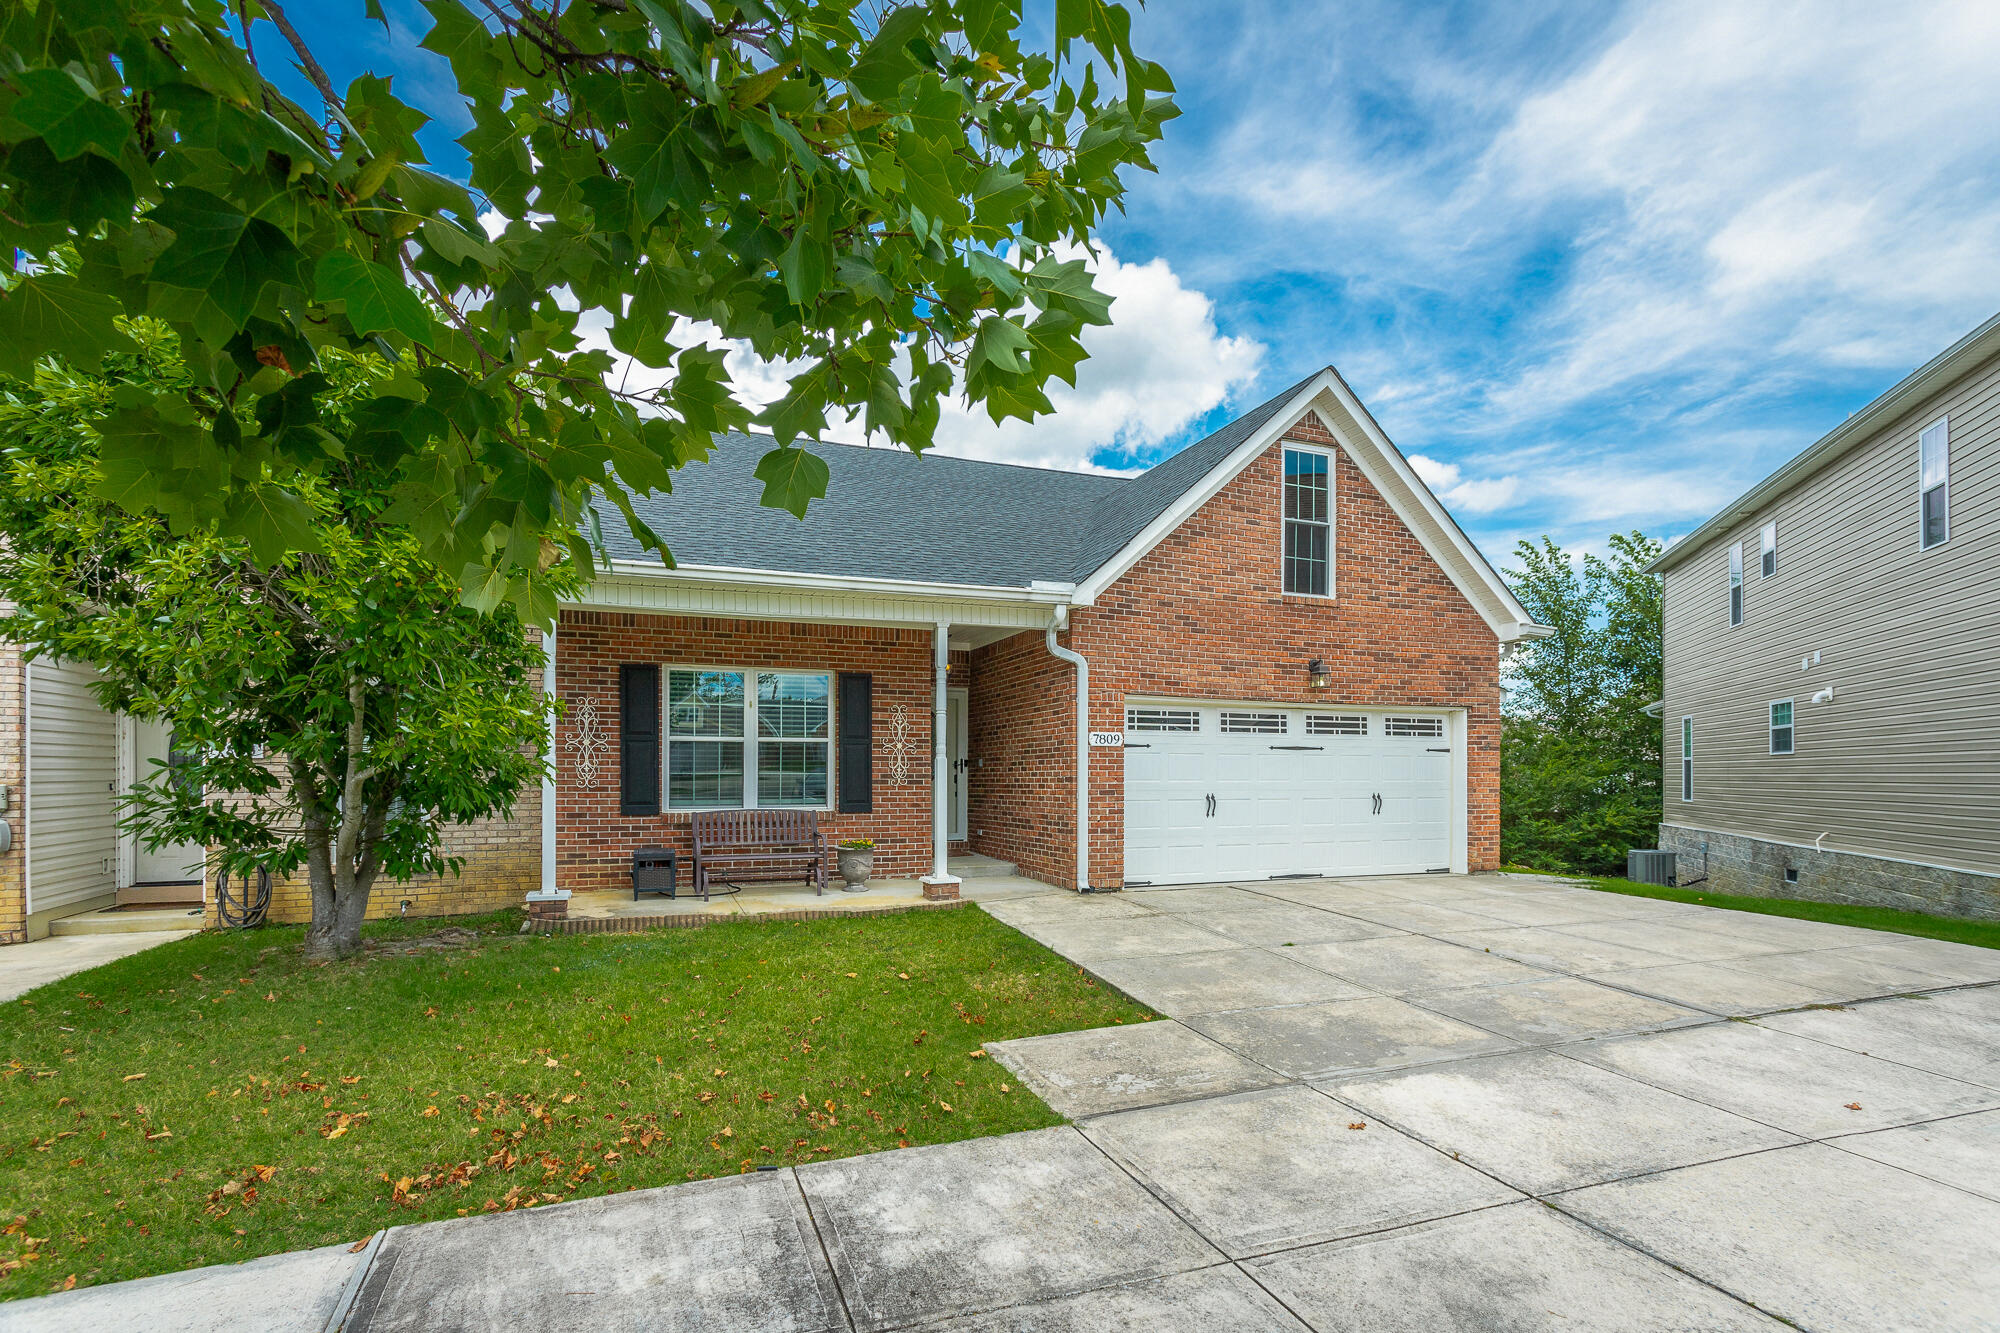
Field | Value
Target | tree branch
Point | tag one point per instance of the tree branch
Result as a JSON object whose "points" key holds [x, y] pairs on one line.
{"points": [[307, 61]]}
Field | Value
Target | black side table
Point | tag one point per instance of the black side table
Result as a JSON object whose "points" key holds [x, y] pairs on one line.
{"points": [[655, 870]]}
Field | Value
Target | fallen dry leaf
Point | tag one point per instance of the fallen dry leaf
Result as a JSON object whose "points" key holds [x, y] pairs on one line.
{"points": [[1854, 1106], [1359, 1124], [975, 1055], [360, 1245], [129, 1077]]}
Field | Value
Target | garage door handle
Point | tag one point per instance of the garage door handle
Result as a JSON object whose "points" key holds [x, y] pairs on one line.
{"points": [[1437, 749], [1378, 803], [1298, 747], [1211, 805]]}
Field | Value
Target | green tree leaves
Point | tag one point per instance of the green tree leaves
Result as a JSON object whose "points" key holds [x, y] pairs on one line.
{"points": [[57, 105], [54, 315], [338, 709], [1579, 756], [377, 298], [792, 479], [887, 202]]}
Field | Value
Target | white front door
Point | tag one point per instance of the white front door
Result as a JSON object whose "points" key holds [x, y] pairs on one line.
{"points": [[174, 863], [1245, 793], [954, 750]]}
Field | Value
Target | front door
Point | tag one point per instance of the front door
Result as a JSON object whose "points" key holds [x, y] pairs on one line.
{"points": [[177, 862], [954, 751]]}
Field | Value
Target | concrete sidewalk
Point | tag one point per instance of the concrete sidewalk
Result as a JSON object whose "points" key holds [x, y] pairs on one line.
{"points": [[26, 966], [1383, 1105]]}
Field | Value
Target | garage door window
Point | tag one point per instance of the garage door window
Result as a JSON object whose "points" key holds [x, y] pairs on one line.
{"points": [[1336, 724], [1162, 719], [1253, 724], [1432, 727]]}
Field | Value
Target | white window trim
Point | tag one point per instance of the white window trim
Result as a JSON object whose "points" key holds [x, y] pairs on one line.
{"points": [[1332, 517], [749, 739], [1944, 423], [1687, 757], [1771, 728], [1769, 530], [1736, 597]]}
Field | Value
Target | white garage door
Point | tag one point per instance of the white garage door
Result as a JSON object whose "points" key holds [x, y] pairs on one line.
{"points": [[1215, 793]]}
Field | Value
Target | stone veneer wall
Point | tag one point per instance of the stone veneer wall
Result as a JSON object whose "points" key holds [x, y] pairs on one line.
{"points": [[1755, 867]]}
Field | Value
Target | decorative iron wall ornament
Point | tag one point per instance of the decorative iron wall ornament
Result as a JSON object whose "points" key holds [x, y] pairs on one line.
{"points": [[586, 743], [902, 746]]}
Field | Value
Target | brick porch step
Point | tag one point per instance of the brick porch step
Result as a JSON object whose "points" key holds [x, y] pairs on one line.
{"points": [[980, 867]]}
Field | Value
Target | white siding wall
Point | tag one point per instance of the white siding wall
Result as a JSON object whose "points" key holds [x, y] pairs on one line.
{"points": [[72, 766]]}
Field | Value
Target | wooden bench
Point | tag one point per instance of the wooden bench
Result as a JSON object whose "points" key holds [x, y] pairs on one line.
{"points": [[761, 841]]}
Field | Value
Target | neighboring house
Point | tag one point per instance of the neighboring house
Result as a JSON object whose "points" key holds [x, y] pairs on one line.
{"points": [[1292, 656], [1832, 660]]}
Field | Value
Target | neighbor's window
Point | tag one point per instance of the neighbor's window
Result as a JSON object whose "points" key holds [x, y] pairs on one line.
{"points": [[741, 740], [1934, 517], [1736, 584], [1687, 758], [1781, 727], [1308, 523], [1767, 547]]}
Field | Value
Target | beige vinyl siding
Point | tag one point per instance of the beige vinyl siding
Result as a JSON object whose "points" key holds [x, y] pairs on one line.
{"points": [[1905, 761], [72, 767]]}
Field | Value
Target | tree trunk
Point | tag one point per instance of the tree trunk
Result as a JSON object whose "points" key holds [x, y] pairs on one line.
{"points": [[341, 858]]}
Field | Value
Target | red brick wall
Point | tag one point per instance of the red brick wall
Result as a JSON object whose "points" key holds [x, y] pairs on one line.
{"points": [[594, 843], [1021, 716], [1203, 615]]}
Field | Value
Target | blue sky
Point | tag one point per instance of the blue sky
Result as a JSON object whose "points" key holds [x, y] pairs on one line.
{"points": [[1598, 265]]}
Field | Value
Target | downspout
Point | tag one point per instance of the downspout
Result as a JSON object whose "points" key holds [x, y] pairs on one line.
{"points": [[1082, 747], [549, 773]]}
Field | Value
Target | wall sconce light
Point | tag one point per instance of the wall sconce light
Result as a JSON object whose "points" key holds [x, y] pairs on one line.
{"points": [[1316, 674]]}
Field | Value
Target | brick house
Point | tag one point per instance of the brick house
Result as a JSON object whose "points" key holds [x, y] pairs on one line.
{"points": [[1288, 654]]}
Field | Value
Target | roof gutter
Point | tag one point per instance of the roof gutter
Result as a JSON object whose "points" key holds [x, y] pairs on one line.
{"points": [[1917, 385], [1038, 593]]}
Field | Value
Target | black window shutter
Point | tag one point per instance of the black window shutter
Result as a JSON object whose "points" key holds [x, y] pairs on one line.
{"points": [[638, 740], [857, 743]]}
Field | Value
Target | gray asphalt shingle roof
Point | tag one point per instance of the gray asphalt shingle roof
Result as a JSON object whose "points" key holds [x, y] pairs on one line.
{"points": [[892, 514]]}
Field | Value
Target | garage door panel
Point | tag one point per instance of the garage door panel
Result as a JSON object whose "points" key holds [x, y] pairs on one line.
{"points": [[1296, 801]]}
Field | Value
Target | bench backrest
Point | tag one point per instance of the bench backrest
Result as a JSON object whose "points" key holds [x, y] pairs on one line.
{"points": [[755, 828]]}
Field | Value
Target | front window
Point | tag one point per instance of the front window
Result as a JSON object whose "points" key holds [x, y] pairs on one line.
{"points": [[1934, 516], [1687, 758], [1767, 548], [1736, 584], [737, 739], [1308, 524], [1781, 727]]}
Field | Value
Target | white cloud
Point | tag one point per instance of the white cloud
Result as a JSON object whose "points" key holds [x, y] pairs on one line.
{"points": [[1160, 365], [1481, 495]]}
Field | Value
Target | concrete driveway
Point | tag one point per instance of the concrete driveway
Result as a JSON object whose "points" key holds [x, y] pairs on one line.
{"points": [[1493, 1103]]}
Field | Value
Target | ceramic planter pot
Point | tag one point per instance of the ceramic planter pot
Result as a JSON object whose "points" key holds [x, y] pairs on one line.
{"points": [[855, 867]]}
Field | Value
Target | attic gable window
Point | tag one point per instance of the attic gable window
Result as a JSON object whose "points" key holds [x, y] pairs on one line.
{"points": [[1308, 523]]}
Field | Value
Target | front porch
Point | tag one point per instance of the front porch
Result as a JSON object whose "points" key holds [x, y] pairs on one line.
{"points": [[983, 879], [857, 708]]}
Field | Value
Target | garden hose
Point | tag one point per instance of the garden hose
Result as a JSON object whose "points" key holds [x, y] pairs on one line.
{"points": [[244, 906]]}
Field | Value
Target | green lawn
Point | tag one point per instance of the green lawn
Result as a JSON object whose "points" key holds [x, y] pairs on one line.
{"points": [[215, 1099], [1986, 934]]}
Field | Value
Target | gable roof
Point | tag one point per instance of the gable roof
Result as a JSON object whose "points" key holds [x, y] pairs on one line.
{"points": [[1837, 443], [891, 514]]}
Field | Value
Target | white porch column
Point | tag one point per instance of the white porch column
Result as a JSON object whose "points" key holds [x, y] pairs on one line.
{"points": [[549, 775], [940, 883]]}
